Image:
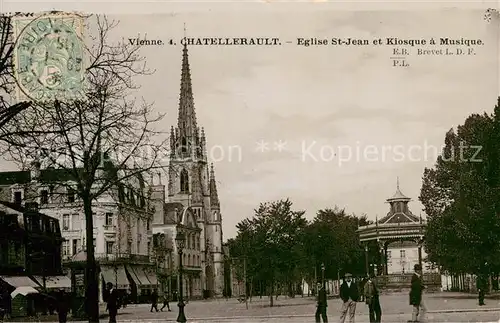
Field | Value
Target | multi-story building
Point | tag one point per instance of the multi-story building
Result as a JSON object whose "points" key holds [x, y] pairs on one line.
{"points": [[193, 203], [121, 218], [30, 248]]}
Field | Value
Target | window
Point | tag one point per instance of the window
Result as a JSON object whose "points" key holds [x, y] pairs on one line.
{"points": [[95, 247], [70, 195], [138, 246], [129, 247], [44, 197], [109, 218], [388, 254], [65, 221], [18, 197], [184, 181], [75, 222], [149, 247], [65, 248], [402, 253], [76, 243], [148, 225], [109, 247]]}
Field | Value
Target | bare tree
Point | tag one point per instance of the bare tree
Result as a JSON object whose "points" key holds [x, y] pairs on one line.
{"points": [[101, 141], [7, 81]]}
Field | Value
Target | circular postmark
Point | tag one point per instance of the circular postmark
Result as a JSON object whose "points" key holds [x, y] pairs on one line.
{"points": [[49, 57]]}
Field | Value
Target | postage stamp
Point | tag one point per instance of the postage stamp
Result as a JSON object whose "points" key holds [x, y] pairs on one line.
{"points": [[48, 56]]}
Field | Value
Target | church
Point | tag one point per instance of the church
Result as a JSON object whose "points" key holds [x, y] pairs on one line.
{"points": [[190, 203]]}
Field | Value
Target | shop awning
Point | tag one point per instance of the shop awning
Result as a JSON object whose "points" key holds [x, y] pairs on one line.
{"points": [[151, 274], [24, 290], [115, 275], [19, 281], [54, 282], [141, 276], [133, 276]]}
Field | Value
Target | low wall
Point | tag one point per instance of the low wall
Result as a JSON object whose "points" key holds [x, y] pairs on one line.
{"points": [[432, 281]]}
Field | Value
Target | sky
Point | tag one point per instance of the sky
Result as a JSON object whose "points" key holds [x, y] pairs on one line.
{"points": [[328, 98]]}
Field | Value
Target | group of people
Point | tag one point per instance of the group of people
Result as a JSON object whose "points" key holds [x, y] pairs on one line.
{"points": [[350, 294], [113, 302]]}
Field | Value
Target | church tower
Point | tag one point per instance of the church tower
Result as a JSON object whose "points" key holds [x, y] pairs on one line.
{"points": [[189, 181]]}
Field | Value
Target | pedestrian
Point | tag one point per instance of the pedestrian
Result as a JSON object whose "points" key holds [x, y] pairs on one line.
{"points": [[362, 283], [62, 306], [165, 302], [372, 300], [481, 285], [154, 300], [322, 304], [112, 302], [416, 291], [349, 294]]}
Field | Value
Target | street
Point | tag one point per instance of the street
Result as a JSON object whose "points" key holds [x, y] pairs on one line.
{"points": [[442, 307]]}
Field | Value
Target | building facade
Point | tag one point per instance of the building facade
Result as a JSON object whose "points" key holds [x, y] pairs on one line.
{"points": [[190, 201], [30, 249], [121, 218]]}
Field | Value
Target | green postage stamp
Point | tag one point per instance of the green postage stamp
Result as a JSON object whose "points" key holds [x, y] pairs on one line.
{"points": [[49, 56]]}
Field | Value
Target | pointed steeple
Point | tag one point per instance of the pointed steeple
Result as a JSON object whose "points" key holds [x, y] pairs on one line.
{"points": [[186, 121], [214, 197]]}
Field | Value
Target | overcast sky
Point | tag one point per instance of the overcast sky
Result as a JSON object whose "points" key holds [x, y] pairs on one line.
{"points": [[324, 96]]}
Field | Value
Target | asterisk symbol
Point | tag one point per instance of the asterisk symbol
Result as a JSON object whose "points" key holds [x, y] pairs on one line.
{"points": [[279, 145], [262, 146]]}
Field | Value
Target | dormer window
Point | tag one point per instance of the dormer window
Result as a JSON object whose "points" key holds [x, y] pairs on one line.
{"points": [[70, 195], [17, 197], [44, 197]]}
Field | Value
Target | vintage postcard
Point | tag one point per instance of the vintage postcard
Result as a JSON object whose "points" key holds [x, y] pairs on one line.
{"points": [[250, 162]]}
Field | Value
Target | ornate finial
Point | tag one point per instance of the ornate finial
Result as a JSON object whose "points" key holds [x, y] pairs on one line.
{"points": [[184, 30], [397, 183]]}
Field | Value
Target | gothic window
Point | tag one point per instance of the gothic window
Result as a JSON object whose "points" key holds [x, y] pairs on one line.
{"points": [[184, 181], [184, 146]]}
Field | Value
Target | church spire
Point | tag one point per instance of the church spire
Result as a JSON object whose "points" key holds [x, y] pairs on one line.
{"points": [[187, 117], [214, 197]]}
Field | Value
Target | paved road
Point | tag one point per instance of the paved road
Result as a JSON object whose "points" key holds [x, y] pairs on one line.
{"points": [[442, 307]]}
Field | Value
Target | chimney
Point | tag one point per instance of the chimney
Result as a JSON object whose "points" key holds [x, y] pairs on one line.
{"points": [[35, 170]]}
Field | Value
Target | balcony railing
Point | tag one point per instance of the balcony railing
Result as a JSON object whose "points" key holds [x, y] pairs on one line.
{"points": [[116, 257]]}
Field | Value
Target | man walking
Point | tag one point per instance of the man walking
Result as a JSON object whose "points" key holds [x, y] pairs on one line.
{"points": [[481, 285], [154, 301], [416, 290], [322, 304], [373, 300], [349, 295], [112, 302], [165, 302]]}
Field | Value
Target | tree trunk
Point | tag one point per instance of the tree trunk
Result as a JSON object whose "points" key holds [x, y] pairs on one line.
{"points": [[251, 289], [92, 290], [271, 292]]}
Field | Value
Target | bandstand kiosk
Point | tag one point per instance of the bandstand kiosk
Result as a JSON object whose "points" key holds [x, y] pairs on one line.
{"points": [[399, 239]]}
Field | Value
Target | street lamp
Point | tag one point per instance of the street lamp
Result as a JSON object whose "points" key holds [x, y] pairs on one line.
{"points": [[180, 241]]}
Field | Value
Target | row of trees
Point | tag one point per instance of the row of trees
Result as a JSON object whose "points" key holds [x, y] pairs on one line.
{"points": [[105, 128], [461, 196], [281, 247]]}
